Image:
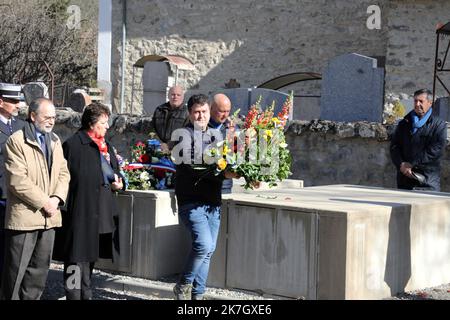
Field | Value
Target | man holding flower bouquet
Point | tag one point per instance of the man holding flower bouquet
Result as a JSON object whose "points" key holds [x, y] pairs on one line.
{"points": [[199, 195]]}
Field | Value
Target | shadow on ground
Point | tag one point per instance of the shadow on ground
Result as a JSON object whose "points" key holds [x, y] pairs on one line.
{"points": [[54, 289]]}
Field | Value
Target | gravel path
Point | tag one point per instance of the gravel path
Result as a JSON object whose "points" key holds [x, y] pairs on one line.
{"points": [[55, 290]]}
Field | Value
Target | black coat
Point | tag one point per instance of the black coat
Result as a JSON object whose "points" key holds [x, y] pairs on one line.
{"points": [[16, 124], [195, 185], [166, 120], [423, 150], [91, 206]]}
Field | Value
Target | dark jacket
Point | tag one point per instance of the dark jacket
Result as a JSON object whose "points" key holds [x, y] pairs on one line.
{"points": [[195, 185], [91, 206], [16, 124], [423, 150], [166, 120]]}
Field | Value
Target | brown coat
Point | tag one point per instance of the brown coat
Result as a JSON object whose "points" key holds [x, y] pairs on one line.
{"points": [[29, 185]]}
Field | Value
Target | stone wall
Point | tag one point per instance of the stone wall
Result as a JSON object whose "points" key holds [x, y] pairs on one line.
{"points": [[323, 152], [251, 41], [412, 43], [254, 41]]}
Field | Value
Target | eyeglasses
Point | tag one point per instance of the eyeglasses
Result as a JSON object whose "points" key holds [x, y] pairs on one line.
{"points": [[48, 118]]}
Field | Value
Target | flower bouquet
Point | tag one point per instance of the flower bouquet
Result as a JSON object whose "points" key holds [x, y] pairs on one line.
{"points": [[259, 152], [149, 169]]}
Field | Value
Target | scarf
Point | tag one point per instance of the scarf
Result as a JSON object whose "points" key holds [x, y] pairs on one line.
{"points": [[418, 123], [101, 143]]}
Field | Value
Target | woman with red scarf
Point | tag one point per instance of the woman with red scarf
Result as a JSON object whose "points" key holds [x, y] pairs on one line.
{"points": [[90, 219]]}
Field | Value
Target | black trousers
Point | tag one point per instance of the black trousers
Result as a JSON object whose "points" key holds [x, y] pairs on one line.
{"points": [[27, 260], [2, 237], [77, 280]]}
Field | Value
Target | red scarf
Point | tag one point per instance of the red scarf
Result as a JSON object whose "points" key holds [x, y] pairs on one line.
{"points": [[100, 142]]}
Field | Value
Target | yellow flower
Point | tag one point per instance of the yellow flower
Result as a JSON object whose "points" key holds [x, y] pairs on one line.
{"points": [[225, 150], [222, 164], [276, 120], [269, 133]]}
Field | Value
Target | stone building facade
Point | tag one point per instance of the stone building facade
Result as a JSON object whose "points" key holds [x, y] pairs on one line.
{"points": [[254, 41]]}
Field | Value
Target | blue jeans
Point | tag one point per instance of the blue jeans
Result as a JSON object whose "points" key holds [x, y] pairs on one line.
{"points": [[203, 222]]}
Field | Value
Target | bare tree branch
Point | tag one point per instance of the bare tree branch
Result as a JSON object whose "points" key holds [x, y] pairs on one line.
{"points": [[32, 31]]}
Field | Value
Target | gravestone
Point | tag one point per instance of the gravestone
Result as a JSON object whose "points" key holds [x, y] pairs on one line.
{"points": [[78, 100], [240, 98], [34, 90], [156, 81], [244, 98], [352, 89], [441, 108], [268, 97]]}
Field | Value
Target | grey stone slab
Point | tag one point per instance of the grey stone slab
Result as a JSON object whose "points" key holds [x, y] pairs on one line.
{"points": [[366, 243], [268, 97], [265, 244], [244, 98], [441, 107], [152, 100], [239, 97], [35, 90], [352, 89], [306, 108], [156, 76], [155, 80]]}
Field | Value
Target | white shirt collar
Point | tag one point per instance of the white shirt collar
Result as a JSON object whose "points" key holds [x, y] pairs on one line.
{"points": [[4, 119]]}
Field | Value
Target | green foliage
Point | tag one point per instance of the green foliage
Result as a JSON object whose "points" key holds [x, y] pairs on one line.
{"points": [[140, 179]]}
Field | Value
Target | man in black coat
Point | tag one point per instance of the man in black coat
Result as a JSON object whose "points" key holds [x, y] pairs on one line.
{"points": [[199, 196], [10, 97], [418, 144]]}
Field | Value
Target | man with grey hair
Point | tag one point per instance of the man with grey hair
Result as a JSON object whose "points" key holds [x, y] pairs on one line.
{"points": [[170, 116], [418, 144], [10, 98], [37, 180]]}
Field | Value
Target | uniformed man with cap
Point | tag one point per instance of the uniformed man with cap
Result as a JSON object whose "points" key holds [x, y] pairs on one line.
{"points": [[10, 97]]}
